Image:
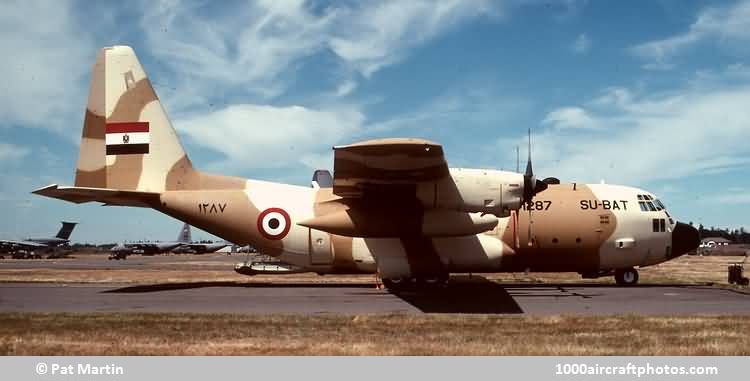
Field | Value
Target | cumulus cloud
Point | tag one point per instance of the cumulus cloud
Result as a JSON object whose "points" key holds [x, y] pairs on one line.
{"points": [[381, 33], [346, 88], [260, 44], [11, 153], [569, 117], [733, 198], [47, 55], [259, 136], [730, 23], [688, 131], [582, 44], [253, 52]]}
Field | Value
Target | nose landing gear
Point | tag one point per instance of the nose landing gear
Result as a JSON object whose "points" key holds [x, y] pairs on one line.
{"points": [[626, 277]]}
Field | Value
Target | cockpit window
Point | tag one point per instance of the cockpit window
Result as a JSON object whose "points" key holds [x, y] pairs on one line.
{"points": [[659, 204], [649, 203]]}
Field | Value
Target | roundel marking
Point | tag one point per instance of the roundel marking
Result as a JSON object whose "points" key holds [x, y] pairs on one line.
{"points": [[274, 223]]}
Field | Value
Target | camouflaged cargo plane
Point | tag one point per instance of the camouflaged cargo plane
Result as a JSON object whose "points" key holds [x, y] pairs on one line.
{"points": [[394, 207]]}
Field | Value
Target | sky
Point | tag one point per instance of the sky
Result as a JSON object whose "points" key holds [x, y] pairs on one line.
{"points": [[651, 94]]}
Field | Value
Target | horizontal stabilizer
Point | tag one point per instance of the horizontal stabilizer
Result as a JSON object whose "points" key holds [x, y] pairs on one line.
{"points": [[81, 195]]}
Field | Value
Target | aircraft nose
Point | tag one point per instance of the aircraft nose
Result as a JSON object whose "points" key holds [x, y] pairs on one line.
{"points": [[684, 239]]}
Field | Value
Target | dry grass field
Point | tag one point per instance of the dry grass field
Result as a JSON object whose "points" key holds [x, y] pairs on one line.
{"points": [[683, 270], [202, 334]]}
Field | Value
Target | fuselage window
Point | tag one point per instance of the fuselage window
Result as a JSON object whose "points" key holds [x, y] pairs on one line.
{"points": [[656, 225], [662, 224]]}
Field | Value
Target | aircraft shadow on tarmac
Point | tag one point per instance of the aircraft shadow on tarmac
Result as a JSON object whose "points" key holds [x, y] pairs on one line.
{"points": [[468, 295], [143, 288], [480, 296]]}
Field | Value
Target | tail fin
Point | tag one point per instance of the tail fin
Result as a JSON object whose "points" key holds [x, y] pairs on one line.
{"points": [[66, 230], [128, 142], [184, 236]]}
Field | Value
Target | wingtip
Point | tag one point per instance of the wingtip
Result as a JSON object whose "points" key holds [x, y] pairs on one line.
{"points": [[44, 190]]}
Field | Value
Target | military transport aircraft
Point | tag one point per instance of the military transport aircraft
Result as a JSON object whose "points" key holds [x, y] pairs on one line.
{"points": [[186, 244], [150, 248], [395, 208], [183, 244], [42, 243]]}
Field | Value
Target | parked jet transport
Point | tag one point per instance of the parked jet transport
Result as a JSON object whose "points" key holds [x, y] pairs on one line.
{"points": [[395, 207], [29, 245]]}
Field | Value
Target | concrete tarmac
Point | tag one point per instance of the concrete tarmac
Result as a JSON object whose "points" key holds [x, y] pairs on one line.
{"points": [[463, 295]]}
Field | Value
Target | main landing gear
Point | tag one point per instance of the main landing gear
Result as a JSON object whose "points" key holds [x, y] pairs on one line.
{"points": [[626, 277], [428, 282]]}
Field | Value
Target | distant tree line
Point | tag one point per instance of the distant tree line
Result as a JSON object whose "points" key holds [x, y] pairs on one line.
{"points": [[734, 235]]}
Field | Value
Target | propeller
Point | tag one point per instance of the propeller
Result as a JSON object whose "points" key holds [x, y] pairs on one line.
{"points": [[531, 186]]}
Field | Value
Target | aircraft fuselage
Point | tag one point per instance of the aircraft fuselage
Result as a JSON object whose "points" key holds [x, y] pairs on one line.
{"points": [[574, 227]]}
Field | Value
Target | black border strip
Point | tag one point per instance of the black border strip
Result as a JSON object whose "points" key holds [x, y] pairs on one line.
{"points": [[127, 149]]}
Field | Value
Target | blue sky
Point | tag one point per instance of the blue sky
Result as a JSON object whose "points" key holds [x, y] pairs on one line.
{"points": [[650, 94]]}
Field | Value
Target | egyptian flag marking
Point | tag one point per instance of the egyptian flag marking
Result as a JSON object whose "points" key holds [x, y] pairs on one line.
{"points": [[125, 138]]}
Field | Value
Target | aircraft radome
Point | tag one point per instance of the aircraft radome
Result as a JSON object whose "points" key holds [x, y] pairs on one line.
{"points": [[394, 207]]}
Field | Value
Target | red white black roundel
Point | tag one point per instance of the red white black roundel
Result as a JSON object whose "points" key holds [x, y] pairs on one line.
{"points": [[274, 223]]}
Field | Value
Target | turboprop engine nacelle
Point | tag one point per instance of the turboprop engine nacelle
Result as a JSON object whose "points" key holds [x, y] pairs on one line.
{"points": [[475, 190], [378, 223]]}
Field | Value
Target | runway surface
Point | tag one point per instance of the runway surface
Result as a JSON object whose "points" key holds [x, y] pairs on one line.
{"points": [[463, 296]]}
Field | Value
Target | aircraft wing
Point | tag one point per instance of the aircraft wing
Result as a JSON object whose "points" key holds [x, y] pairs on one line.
{"points": [[386, 164], [21, 243], [141, 245]]}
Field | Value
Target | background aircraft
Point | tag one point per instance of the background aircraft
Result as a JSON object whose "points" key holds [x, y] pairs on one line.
{"points": [[151, 248], [183, 244], [395, 207], [186, 244], [28, 247]]}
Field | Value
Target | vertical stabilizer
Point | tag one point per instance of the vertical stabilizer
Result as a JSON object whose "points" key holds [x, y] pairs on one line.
{"points": [[128, 142], [185, 236], [66, 229]]}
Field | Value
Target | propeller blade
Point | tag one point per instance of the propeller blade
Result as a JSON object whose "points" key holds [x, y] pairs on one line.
{"points": [[532, 186]]}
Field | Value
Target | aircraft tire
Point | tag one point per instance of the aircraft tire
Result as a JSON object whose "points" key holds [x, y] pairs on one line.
{"points": [[437, 281], [626, 277], [395, 284]]}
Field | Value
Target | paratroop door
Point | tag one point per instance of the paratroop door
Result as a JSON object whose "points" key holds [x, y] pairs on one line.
{"points": [[320, 248]]}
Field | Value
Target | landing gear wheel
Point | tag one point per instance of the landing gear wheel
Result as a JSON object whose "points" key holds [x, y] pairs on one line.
{"points": [[394, 283], [626, 277], [433, 281]]}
